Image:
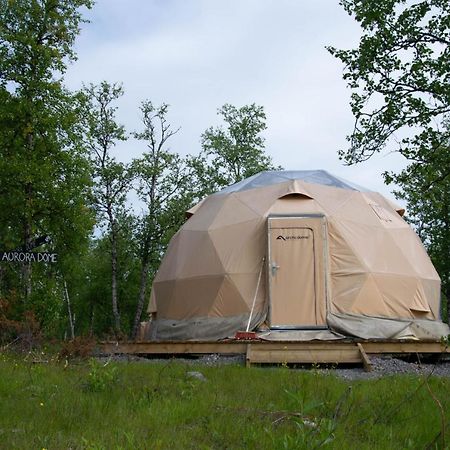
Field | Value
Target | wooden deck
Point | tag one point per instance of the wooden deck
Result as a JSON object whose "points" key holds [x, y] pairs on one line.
{"points": [[284, 352]]}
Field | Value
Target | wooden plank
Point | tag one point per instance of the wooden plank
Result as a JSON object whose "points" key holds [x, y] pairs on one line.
{"points": [[302, 353], [308, 357], [304, 345], [374, 347], [365, 359], [281, 351]]}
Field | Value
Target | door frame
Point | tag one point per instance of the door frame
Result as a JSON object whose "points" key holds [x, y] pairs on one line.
{"points": [[325, 266]]}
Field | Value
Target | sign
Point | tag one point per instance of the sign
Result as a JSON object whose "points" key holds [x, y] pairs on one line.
{"points": [[28, 257]]}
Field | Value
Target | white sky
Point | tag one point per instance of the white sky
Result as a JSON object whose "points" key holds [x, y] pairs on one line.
{"points": [[197, 55]]}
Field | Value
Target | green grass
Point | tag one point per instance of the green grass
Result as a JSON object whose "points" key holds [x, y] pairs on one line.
{"points": [[156, 406]]}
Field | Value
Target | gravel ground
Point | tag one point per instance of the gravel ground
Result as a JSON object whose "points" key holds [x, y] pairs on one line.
{"points": [[394, 366], [380, 366]]}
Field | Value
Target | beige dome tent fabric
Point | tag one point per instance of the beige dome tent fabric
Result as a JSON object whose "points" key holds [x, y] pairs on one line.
{"points": [[295, 250]]}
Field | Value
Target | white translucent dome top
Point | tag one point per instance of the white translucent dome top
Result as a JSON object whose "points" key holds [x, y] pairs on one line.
{"points": [[280, 176]]}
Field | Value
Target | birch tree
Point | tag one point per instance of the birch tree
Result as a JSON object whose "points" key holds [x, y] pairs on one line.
{"points": [[163, 187], [112, 178]]}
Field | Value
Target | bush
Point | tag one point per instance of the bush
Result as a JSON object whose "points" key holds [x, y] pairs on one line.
{"points": [[100, 377], [80, 347], [22, 333]]}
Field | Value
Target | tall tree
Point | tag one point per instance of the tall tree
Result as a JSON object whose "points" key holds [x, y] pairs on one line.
{"points": [[399, 76], [112, 178], [44, 175], [235, 152], [163, 187]]}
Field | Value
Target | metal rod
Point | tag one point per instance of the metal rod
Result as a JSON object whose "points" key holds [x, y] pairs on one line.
{"points": [[256, 293]]}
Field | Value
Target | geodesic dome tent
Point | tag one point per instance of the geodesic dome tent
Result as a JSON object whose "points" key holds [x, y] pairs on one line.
{"points": [[295, 250]]}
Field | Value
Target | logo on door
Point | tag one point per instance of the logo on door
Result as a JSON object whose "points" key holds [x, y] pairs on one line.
{"points": [[290, 238]]}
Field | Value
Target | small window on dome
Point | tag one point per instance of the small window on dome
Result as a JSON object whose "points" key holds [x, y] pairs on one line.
{"points": [[296, 195]]}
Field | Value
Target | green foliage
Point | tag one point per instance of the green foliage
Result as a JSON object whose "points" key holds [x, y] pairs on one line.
{"points": [[44, 175], [112, 179], [37, 40], [164, 184], [101, 377], [235, 152], [164, 187], [398, 75], [91, 299]]}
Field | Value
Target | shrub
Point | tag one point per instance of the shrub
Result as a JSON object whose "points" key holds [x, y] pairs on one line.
{"points": [[80, 347]]}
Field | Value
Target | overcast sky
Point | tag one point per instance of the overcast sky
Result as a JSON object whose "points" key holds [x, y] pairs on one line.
{"points": [[197, 55]]}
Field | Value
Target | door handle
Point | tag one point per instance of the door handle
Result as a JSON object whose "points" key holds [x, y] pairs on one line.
{"points": [[274, 267]]}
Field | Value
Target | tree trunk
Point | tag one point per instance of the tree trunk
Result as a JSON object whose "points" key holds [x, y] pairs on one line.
{"points": [[92, 321], [115, 308], [446, 251], [26, 268], [69, 312], [141, 300], [2, 271]]}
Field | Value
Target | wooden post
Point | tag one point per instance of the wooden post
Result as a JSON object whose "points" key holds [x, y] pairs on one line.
{"points": [[365, 359], [248, 361]]}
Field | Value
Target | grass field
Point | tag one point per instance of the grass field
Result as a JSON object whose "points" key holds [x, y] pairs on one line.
{"points": [[86, 405]]}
